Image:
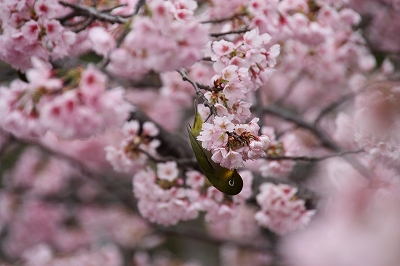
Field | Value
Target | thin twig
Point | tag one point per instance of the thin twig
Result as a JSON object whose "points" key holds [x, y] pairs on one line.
{"points": [[216, 35], [333, 106], [199, 94], [258, 107], [207, 59], [289, 116], [310, 159], [220, 20], [84, 25], [87, 11], [182, 161], [112, 8], [325, 140]]}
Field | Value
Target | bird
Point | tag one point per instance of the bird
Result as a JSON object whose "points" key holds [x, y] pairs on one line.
{"points": [[226, 180]]}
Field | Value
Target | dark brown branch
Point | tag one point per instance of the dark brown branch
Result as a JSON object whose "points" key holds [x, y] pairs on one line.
{"points": [[91, 12], [107, 10], [216, 35], [207, 59], [84, 25], [201, 236]]}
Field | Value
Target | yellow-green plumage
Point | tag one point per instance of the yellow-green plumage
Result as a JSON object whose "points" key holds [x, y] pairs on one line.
{"points": [[225, 180]]}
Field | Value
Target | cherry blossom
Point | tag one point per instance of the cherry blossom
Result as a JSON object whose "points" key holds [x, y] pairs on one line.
{"points": [[167, 41], [30, 29], [299, 97], [45, 104], [130, 155], [281, 211]]}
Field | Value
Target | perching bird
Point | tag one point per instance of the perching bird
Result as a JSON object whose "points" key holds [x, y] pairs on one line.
{"points": [[225, 180]]}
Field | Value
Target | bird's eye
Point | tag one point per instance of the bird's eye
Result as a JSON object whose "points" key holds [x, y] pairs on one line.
{"points": [[231, 182]]}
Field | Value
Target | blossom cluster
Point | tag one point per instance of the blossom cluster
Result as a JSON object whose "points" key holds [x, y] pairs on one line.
{"points": [[281, 210], [243, 65], [166, 198], [30, 28], [138, 142], [252, 60], [376, 120], [76, 104], [166, 38], [231, 144], [277, 168], [320, 48], [312, 74]]}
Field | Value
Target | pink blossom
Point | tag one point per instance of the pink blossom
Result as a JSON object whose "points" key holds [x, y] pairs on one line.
{"points": [[93, 82], [167, 171], [131, 129], [281, 211], [160, 43], [128, 156], [166, 206], [194, 179], [150, 129], [222, 48], [103, 42], [31, 30]]}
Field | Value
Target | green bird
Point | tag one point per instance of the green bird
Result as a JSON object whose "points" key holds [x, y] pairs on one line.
{"points": [[225, 180]]}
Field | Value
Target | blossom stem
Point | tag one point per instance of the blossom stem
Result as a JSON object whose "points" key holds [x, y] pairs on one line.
{"points": [[199, 94]]}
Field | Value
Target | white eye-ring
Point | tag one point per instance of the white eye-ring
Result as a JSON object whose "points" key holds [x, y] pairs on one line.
{"points": [[231, 182]]}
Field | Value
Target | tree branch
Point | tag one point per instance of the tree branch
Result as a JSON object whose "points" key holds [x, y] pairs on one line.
{"points": [[220, 20], [91, 12], [201, 236], [325, 140], [311, 159], [289, 116], [216, 35]]}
